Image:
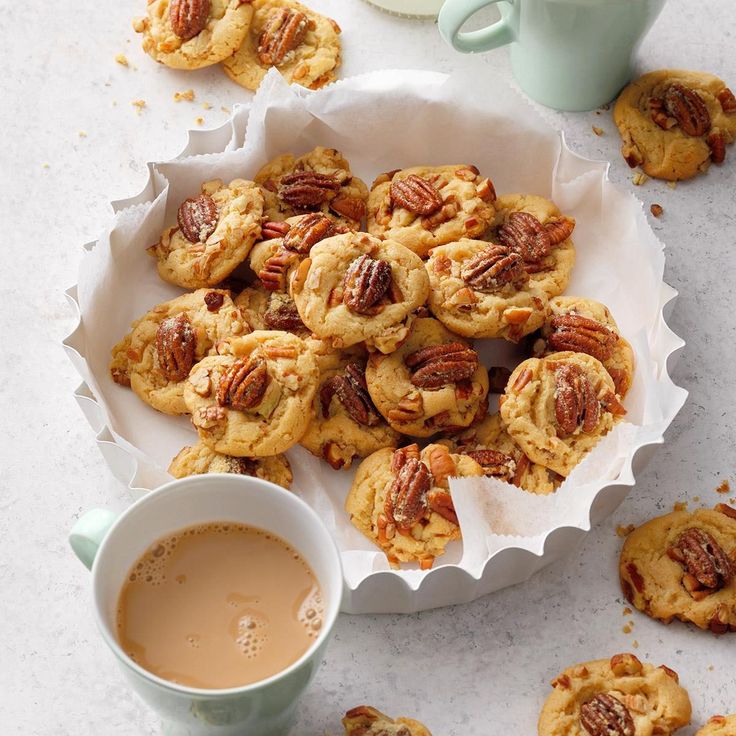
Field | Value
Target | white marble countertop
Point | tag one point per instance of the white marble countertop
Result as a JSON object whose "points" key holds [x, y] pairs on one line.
{"points": [[477, 670]]}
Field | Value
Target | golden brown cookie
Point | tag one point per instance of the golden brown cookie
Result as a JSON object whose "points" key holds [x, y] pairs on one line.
{"points": [[367, 721], [155, 358], [719, 726], [620, 697], [683, 565], [557, 408], [675, 123], [585, 326], [200, 459], [318, 181], [190, 34], [254, 398], [432, 382], [303, 45], [427, 206], [214, 234]]}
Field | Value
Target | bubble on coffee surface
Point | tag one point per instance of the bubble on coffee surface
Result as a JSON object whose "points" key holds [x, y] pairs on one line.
{"points": [[151, 567], [311, 612], [251, 629]]}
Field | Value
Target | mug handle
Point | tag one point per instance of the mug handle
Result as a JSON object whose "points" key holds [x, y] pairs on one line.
{"points": [[87, 534], [453, 16]]}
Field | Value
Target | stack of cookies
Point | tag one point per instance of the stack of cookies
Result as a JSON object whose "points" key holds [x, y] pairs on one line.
{"points": [[301, 328]]}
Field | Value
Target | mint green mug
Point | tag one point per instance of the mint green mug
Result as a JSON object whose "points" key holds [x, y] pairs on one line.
{"points": [[567, 54]]}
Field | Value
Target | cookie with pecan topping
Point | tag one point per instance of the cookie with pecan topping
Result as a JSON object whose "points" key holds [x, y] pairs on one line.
{"points": [[427, 206], [674, 123], [270, 310], [213, 235], [683, 565], [620, 696], [586, 326], [719, 726], [345, 423], [191, 34], [302, 44], [356, 288], [253, 399], [365, 720], [200, 459], [400, 499], [433, 382], [155, 358], [557, 408]]}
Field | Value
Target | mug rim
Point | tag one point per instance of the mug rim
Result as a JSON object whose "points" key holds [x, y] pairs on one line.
{"points": [[173, 487]]}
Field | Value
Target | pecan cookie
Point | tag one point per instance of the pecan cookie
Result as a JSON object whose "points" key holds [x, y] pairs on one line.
{"points": [[433, 382], [674, 123], [427, 206], [491, 446], [683, 565], [346, 424], [356, 288], [481, 289], [214, 234], [719, 726], [557, 408], [255, 399], [535, 228], [318, 181], [190, 34], [270, 310], [616, 697], [367, 721], [155, 358], [400, 499], [200, 459], [586, 326]]}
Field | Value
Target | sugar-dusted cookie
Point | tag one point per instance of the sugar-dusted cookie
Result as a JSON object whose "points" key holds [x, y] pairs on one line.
{"points": [[367, 721], [585, 326], [270, 310], [190, 34], [557, 408], [254, 399], [535, 228], [155, 358], [356, 288], [616, 697], [345, 422], [400, 500], [432, 382], [318, 181], [214, 234], [302, 44], [427, 206], [719, 726], [491, 446], [674, 123], [683, 565], [481, 289], [200, 459]]}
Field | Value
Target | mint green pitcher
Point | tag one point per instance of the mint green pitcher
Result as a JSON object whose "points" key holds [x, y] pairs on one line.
{"points": [[567, 54]]}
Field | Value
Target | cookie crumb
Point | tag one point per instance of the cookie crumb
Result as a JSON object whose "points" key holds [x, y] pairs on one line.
{"points": [[624, 531], [635, 644], [45, 166], [598, 131], [627, 611], [628, 628], [139, 105], [723, 487], [710, 668], [607, 106], [199, 121], [206, 106], [672, 184], [680, 506], [696, 499], [225, 109], [121, 59], [82, 134], [639, 178], [656, 210], [187, 94]]}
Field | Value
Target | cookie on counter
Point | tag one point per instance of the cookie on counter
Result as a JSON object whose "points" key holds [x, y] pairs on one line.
{"points": [[586, 326], [427, 206], [616, 697], [400, 500], [557, 408], [318, 181], [190, 34], [683, 565], [303, 45], [200, 459], [255, 398], [155, 358], [356, 288], [432, 382], [270, 310], [675, 123], [365, 720], [719, 726], [213, 235]]}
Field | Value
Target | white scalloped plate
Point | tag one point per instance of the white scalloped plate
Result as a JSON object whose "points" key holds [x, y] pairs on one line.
{"points": [[512, 560]]}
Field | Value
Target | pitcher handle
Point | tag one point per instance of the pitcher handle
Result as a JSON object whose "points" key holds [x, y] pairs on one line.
{"points": [[87, 534], [454, 15]]}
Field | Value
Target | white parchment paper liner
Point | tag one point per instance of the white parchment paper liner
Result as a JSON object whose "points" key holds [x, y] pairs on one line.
{"points": [[382, 121]]}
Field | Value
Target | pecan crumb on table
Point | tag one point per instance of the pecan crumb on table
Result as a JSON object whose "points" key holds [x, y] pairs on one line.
{"points": [[187, 95], [656, 210], [723, 487]]}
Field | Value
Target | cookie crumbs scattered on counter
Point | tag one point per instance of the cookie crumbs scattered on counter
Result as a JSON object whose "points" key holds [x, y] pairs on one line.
{"points": [[139, 105], [672, 184], [199, 121], [627, 611], [187, 95], [723, 487], [656, 210], [624, 531], [639, 178], [598, 131], [635, 644], [680, 506], [121, 59], [628, 628], [206, 106]]}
